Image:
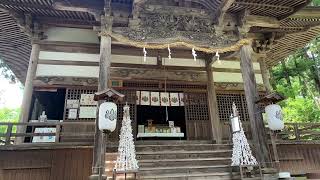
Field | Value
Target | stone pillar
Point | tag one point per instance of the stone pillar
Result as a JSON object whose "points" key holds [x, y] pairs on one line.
{"points": [[265, 75], [251, 93], [213, 104], [28, 86]]}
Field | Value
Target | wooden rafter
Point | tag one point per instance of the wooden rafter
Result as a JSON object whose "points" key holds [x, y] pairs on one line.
{"points": [[24, 5], [310, 12], [263, 5]]}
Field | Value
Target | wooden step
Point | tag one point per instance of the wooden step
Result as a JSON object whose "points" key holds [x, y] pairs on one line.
{"points": [[184, 162], [170, 142], [183, 154], [183, 169], [195, 176], [184, 147]]}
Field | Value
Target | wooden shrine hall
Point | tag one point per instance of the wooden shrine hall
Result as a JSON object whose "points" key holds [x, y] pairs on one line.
{"points": [[181, 64]]}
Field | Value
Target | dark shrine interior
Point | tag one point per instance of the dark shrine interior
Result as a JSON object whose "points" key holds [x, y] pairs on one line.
{"points": [[158, 115], [52, 102]]}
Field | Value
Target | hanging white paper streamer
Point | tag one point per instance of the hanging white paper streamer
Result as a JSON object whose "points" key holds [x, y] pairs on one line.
{"points": [[138, 98], [165, 99], [194, 54], [155, 99], [169, 51], [126, 159], [218, 57], [145, 98], [174, 99], [181, 99], [144, 54]]}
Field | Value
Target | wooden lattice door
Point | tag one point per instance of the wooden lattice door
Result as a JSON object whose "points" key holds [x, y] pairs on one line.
{"points": [[197, 116]]}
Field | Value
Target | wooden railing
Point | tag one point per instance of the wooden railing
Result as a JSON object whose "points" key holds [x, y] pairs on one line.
{"points": [[300, 132], [62, 132], [84, 132]]}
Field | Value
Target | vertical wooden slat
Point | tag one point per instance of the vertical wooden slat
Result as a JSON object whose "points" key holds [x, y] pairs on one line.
{"points": [[8, 134], [58, 129]]}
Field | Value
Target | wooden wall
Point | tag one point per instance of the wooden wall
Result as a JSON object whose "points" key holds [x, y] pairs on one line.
{"points": [[54, 164], [299, 158]]}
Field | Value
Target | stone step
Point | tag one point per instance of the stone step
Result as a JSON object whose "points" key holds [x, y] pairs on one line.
{"points": [[143, 171], [195, 176], [148, 155], [184, 162], [185, 147]]}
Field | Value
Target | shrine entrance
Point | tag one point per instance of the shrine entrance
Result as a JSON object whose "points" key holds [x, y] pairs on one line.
{"points": [[163, 123], [160, 115]]}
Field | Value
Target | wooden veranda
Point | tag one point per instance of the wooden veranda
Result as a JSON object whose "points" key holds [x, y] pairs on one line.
{"points": [[214, 52]]}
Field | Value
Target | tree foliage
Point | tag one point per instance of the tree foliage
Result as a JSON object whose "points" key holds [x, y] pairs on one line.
{"points": [[8, 115], [6, 72], [298, 78], [315, 3]]}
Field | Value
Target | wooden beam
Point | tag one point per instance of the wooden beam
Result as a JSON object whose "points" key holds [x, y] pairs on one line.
{"points": [[141, 66], [251, 93], [93, 7], [262, 21], [67, 22]]}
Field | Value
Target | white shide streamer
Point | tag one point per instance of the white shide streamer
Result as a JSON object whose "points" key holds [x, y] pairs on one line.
{"points": [[169, 51], [144, 54], [241, 154], [194, 54], [126, 159]]}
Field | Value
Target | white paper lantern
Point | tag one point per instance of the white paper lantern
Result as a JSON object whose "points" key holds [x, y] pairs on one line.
{"points": [[108, 116], [274, 116], [235, 124]]}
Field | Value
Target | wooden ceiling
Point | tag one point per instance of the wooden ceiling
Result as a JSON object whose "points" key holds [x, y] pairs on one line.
{"points": [[15, 45]]}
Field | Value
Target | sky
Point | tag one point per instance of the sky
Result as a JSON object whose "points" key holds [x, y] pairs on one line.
{"points": [[10, 94]]}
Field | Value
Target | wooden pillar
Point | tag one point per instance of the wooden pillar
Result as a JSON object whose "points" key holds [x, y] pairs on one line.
{"points": [[265, 75], [104, 76], [28, 90], [28, 86], [213, 104], [251, 93]]}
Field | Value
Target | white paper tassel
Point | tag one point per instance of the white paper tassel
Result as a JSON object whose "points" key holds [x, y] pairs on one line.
{"points": [[194, 54], [126, 159], [241, 153], [169, 51], [144, 54]]}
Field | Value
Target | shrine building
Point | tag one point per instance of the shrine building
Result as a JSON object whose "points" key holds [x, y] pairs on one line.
{"points": [[180, 65]]}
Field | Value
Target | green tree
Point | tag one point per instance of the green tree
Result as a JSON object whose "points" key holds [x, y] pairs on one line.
{"points": [[298, 78], [8, 115], [315, 3]]}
